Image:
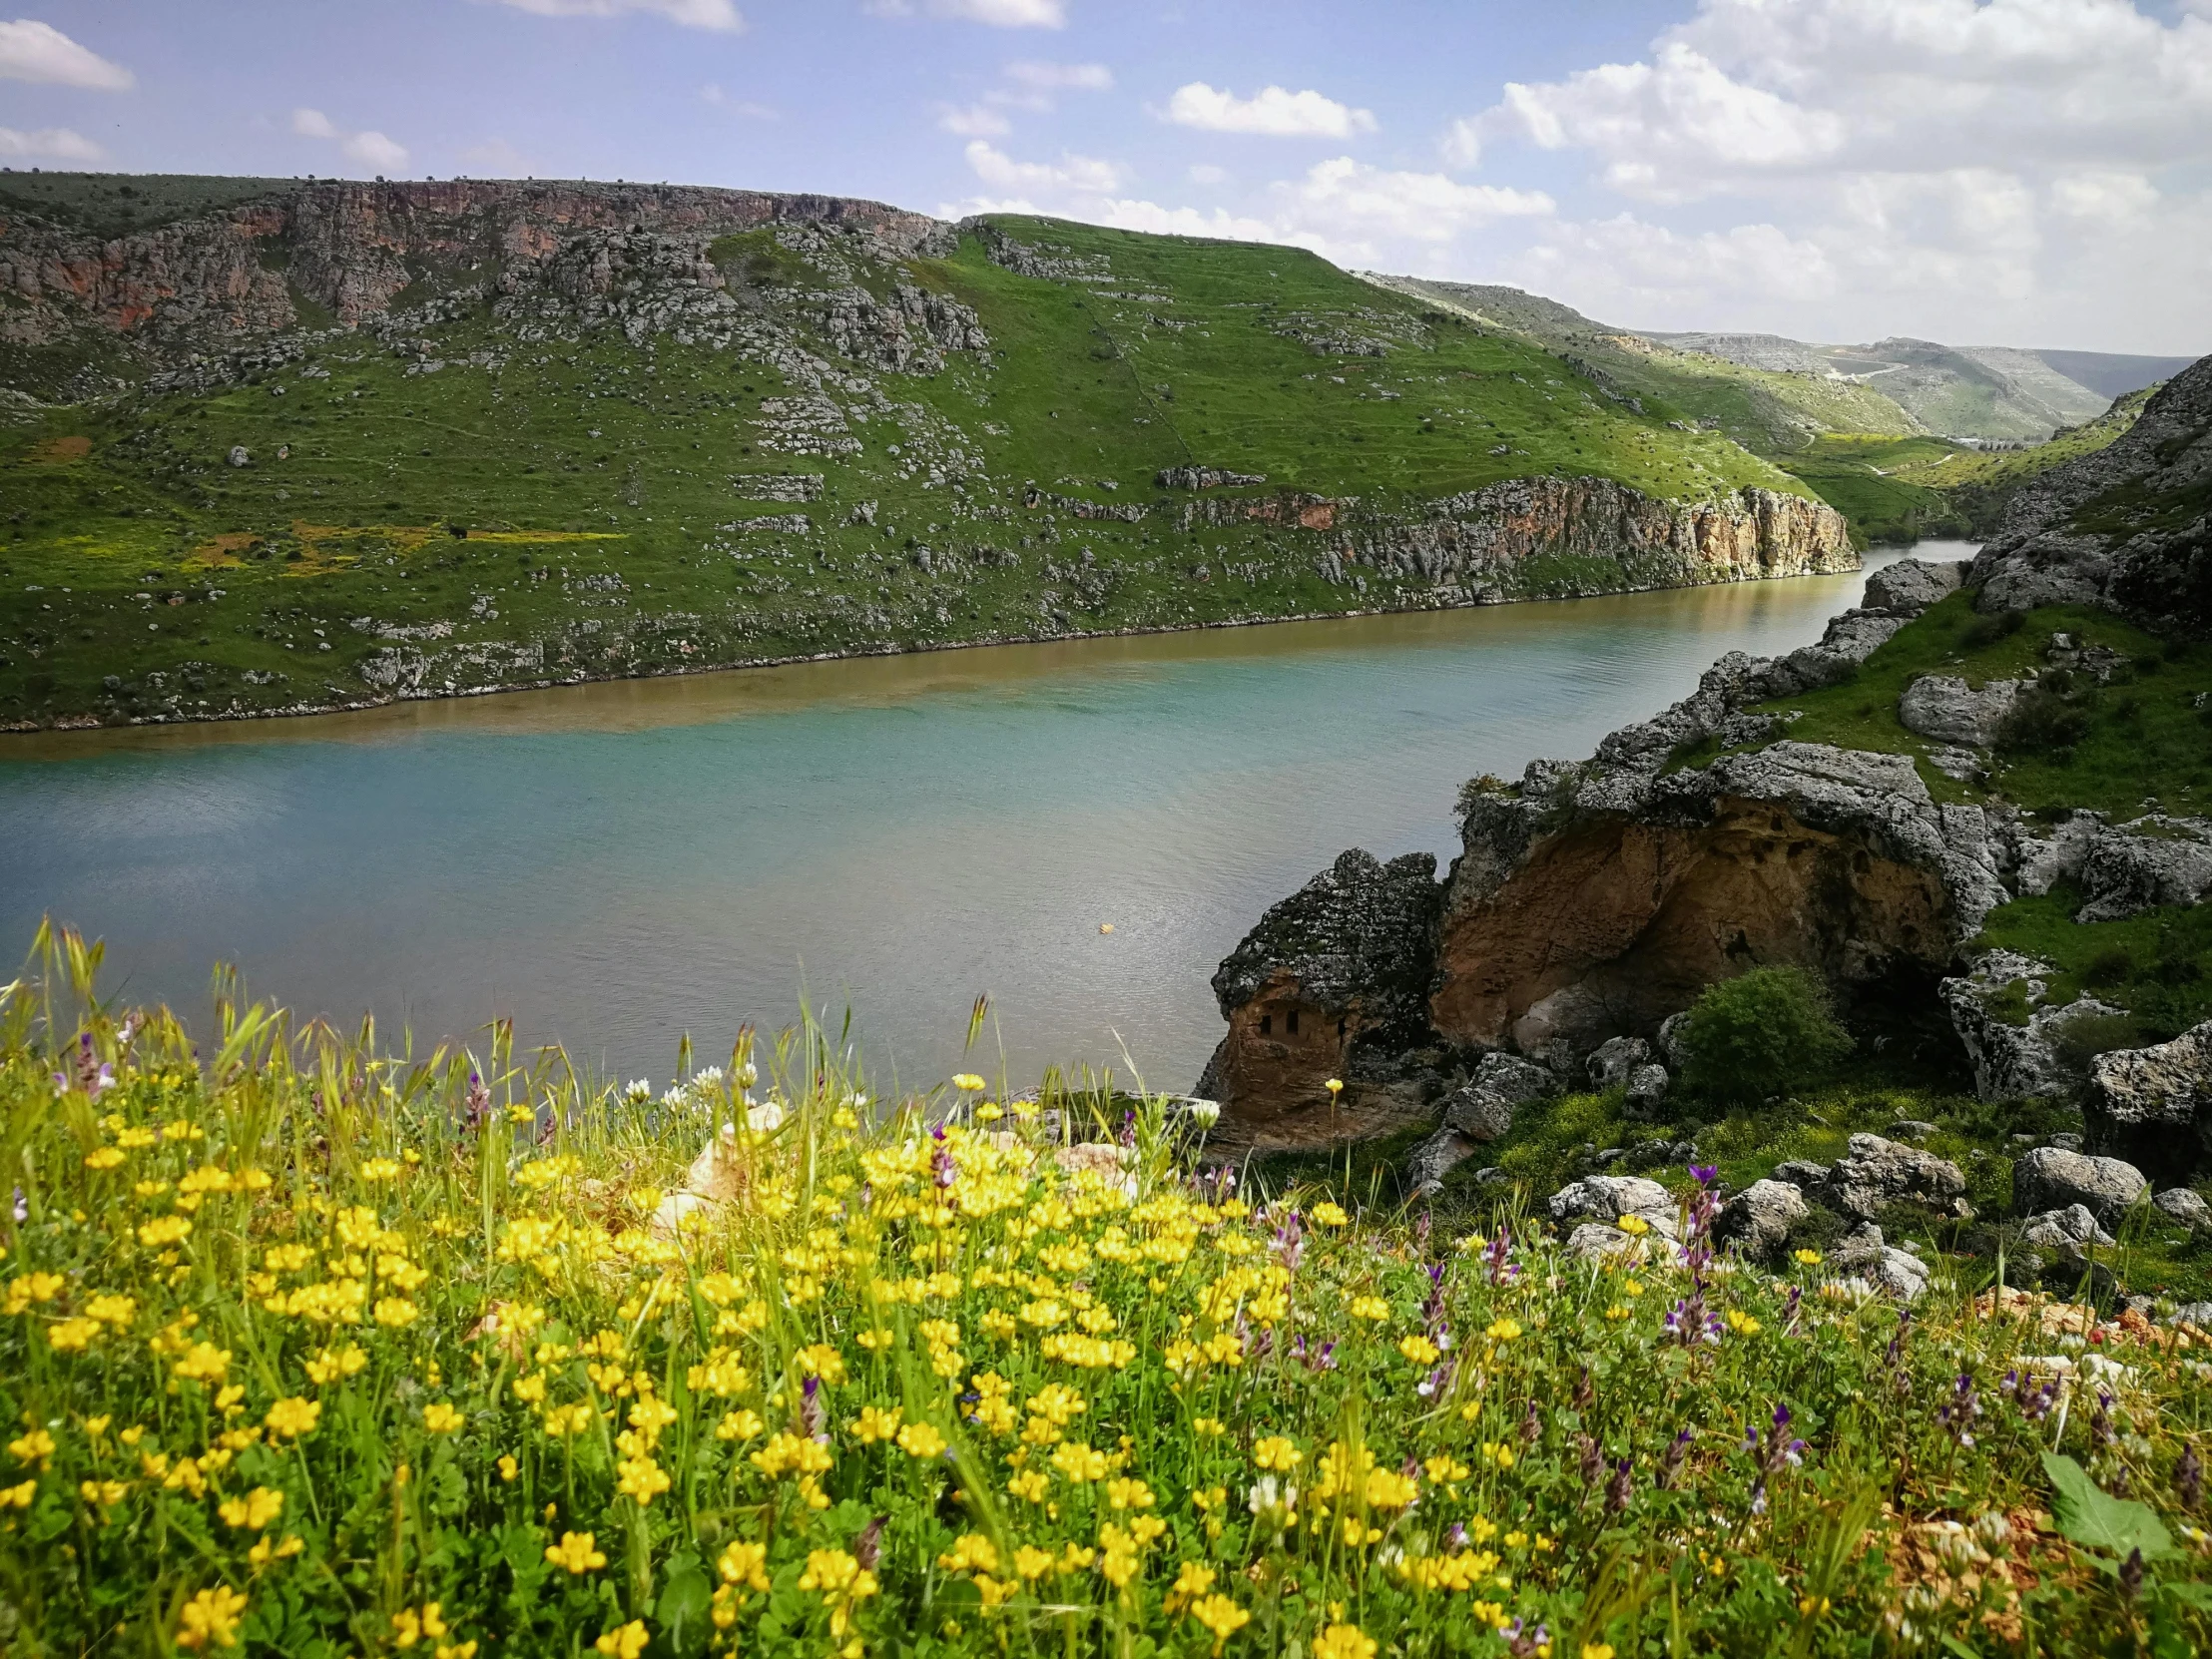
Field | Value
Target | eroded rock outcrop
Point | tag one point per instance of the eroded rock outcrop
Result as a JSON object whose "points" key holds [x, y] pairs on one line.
{"points": [[2153, 1106]]}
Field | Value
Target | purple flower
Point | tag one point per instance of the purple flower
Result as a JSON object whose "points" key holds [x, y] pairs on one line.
{"points": [[812, 1414], [1290, 1242], [1958, 1414], [1498, 1256], [1772, 1455], [1670, 1464], [1619, 1488], [476, 1107], [943, 1169]]}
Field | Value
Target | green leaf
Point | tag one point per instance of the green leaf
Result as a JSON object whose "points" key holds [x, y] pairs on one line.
{"points": [[685, 1605], [2094, 1518]]}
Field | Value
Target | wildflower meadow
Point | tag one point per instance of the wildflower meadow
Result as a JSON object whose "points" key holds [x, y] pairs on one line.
{"points": [[314, 1349]]}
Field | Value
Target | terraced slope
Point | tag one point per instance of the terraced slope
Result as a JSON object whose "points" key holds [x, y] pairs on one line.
{"points": [[366, 441]]}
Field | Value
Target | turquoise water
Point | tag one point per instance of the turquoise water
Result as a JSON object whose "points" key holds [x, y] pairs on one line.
{"points": [[616, 865]]}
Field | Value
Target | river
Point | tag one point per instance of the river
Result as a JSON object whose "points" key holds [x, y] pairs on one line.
{"points": [[615, 864]]}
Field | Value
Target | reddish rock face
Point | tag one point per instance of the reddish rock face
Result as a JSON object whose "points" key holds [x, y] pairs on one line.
{"points": [[1282, 1050], [1612, 926]]}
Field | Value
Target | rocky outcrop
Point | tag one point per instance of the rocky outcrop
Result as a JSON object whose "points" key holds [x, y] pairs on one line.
{"points": [[350, 247], [1875, 1173], [1948, 709], [2139, 865], [1908, 587], [2124, 526], [1608, 1198], [2046, 1055], [1344, 960], [1757, 1220], [2153, 1106], [1481, 544], [2051, 1178]]}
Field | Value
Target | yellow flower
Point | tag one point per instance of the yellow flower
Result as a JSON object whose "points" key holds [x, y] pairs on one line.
{"points": [[1030, 1486], [396, 1312], [625, 1641], [334, 1364], [876, 1424], [575, 1554], [211, 1618], [1634, 1226], [1344, 1641], [1326, 1214], [1222, 1617], [204, 1364], [1741, 1323], [440, 1418], [968, 1082], [19, 1498], [379, 1169], [159, 1234], [1277, 1452], [921, 1439], [1809, 1257], [641, 1479], [1418, 1348], [252, 1513], [744, 1562], [1128, 1492], [1079, 1462], [508, 1467], [294, 1418], [1369, 1308], [739, 1425], [1503, 1330], [35, 1448], [106, 1157]]}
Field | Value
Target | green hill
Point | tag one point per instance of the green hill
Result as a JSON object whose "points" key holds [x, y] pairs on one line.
{"points": [[553, 453]]}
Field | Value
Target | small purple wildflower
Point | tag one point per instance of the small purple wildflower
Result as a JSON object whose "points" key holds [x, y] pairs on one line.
{"points": [[1958, 1413]]}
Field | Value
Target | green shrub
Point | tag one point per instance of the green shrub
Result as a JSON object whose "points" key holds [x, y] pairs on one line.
{"points": [[1989, 630], [2109, 968], [2041, 722], [1750, 1037]]}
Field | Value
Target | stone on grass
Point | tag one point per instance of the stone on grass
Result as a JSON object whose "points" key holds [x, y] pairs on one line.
{"points": [[1875, 1173], [2184, 1205], [1607, 1198], [1757, 1220], [1615, 1061], [2050, 1178], [1647, 1092], [2147, 1105], [2067, 1231]]}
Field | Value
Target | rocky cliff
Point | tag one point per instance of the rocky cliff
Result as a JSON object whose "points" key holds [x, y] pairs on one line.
{"points": [[349, 249]]}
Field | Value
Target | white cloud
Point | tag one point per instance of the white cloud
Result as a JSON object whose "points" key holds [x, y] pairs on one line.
{"points": [[53, 144], [1206, 173], [1191, 222], [712, 93], [497, 158], [372, 149], [1072, 77], [1079, 174], [1411, 207], [717, 15], [1270, 113], [999, 14], [1960, 169], [34, 51], [977, 121]]}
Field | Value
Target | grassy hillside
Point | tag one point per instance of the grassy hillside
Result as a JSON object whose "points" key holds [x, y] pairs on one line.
{"points": [[551, 485]]}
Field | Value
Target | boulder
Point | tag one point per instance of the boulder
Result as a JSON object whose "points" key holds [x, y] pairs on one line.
{"points": [[1948, 709], [1911, 586], [2065, 1231], [1614, 1059], [2126, 870], [1671, 1045], [2182, 1204], [1880, 1267], [1607, 1198], [2198, 1313], [1802, 1174], [1757, 1220], [1597, 1242], [1484, 1109], [2050, 1178], [1435, 1158], [1647, 1092], [1877, 1172]]}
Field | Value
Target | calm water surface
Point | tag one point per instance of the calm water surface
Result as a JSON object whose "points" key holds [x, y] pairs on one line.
{"points": [[616, 865]]}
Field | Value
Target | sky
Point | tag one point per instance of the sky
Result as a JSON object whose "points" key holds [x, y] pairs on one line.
{"points": [[2033, 173]]}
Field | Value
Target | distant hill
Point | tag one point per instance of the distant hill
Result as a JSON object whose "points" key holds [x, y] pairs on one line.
{"points": [[2111, 373]]}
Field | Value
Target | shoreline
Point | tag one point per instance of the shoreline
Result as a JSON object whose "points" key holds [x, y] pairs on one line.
{"points": [[68, 725]]}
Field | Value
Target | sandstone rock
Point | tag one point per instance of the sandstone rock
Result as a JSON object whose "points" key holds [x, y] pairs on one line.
{"points": [[2147, 1104], [1347, 957], [1948, 709], [1911, 586], [1758, 1218], [2066, 1230], [1877, 1172], [2124, 870], [2185, 1205], [2015, 1062], [1609, 1067], [1484, 1109], [1607, 1198], [2049, 1178], [1647, 1092]]}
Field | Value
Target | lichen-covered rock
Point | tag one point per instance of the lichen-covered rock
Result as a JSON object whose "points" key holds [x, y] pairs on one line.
{"points": [[2049, 1178], [1597, 1241], [1911, 586], [1875, 1172], [2151, 1105], [1435, 1158], [2012, 1061], [1758, 1220], [2065, 1230], [1614, 1059], [1948, 709], [1647, 1093], [1346, 957], [1484, 1109], [2137, 867], [1881, 1267], [1607, 1198], [2186, 1206], [1802, 1174]]}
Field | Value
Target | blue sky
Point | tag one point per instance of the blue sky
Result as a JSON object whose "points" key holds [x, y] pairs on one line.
{"points": [[1993, 172]]}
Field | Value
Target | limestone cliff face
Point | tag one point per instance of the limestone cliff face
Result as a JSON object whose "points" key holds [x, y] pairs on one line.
{"points": [[350, 248], [1485, 542]]}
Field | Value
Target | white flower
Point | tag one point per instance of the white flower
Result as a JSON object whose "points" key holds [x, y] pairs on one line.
{"points": [[639, 1092], [1205, 1113], [748, 1075], [708, 1078]]}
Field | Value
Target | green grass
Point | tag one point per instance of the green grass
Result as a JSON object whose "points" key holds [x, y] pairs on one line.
{"points": [[1858, 476], [620, 466]]}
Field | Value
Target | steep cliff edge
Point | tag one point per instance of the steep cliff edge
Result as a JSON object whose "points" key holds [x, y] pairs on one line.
{"points": [[1893, 809]]}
